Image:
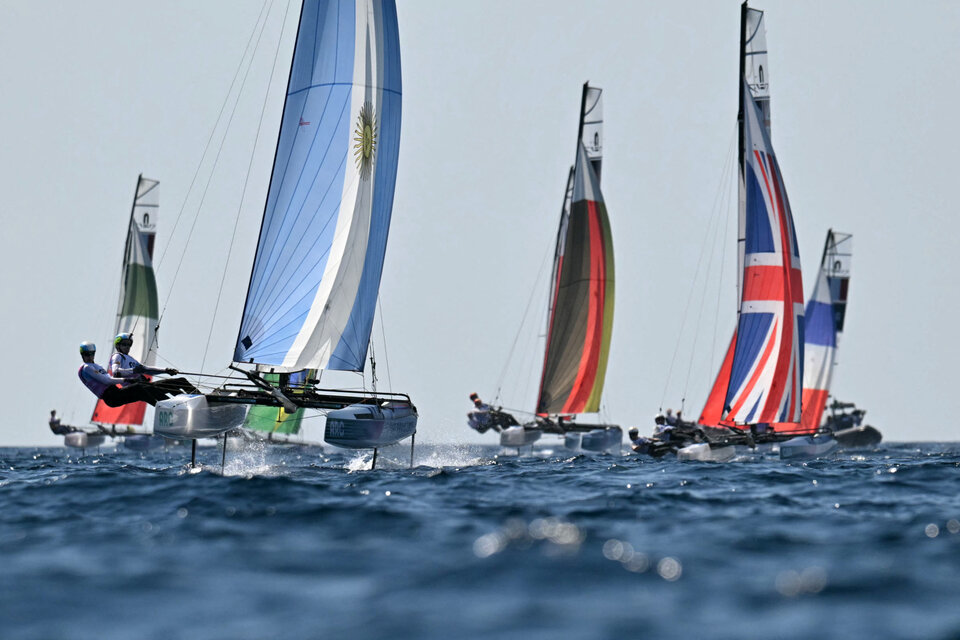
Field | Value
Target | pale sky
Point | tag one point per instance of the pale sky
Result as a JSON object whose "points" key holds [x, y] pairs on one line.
{"points": [[864, 126]]}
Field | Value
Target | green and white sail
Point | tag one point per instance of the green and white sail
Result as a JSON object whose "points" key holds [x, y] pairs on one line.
{"points": [[137, 312]]}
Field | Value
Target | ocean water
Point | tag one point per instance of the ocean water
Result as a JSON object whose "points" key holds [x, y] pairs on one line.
{"points": [[292, 542]]}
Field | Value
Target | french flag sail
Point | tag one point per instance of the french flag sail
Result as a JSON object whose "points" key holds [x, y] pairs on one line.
{"points": [[316, 275], [580, 316], [138, 310], [767, 368], [824, 323]]}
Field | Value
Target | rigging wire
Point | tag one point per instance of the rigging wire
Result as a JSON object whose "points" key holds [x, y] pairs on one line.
{"points": [[703, 299], [723, 262], [724, 176], [246, 178], [523, 321], [203, 157], [383, 336]]}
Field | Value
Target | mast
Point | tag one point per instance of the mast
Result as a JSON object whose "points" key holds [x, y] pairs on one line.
{"points": [[583, 109], [126, 243], [743, 54]]}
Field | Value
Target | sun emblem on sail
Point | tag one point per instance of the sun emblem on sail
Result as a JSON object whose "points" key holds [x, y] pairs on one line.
{"points": [[365, 140]]}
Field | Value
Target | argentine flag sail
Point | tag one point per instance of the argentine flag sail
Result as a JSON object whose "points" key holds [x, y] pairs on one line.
{"points": [[316, 274]]}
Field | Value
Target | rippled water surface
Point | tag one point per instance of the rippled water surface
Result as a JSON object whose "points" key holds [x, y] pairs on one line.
{"points": [[292, 542]]}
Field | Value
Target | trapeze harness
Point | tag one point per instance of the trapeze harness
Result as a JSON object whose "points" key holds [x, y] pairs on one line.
{"points": [[124, 366]]}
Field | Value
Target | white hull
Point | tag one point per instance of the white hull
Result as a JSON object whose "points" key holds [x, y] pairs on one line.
{"points": [[82, 440], [704, 453], [189, 417], [807, 447], [143, 442], [595, 440], [519, 437], [367, 426]]}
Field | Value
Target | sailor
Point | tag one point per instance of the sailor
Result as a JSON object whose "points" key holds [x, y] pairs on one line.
{"points": [[56, 427], [104, 386], [479, 404], [670, 419], [486, 417], [123, 365], [479, 420]]}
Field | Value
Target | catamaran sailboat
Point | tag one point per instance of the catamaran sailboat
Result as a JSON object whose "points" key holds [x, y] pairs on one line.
{"points": [[825, 316], [758, 388], [316, 274], [580, 311], [137, 315]]}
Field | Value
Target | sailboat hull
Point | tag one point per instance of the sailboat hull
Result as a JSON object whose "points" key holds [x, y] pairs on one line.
{"points": [[703, 452], [595, 440], [519, 436], [602, 439], [366, 426], [143, 442], [82, 440], [190, 417], [807, 447], [858, 437]]}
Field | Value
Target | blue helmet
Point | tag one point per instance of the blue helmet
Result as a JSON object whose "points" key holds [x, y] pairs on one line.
{"points": [[123, 336], [87, 347]]}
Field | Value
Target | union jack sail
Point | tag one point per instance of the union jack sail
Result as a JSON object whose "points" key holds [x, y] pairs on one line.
{"points": [[767, 367]]}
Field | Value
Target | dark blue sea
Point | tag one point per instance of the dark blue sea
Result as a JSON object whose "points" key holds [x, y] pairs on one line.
{"points": [[294, 542]]}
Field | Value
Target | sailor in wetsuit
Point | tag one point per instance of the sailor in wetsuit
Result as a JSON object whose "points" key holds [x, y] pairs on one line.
{"points": [[104, 386], [123, 365], [486, 417]]}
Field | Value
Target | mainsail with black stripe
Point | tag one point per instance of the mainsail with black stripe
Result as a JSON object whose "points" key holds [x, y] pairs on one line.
{"points": [[580, 315], [316, 275]]}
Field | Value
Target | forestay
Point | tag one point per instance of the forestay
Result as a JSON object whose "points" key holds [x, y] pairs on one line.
{"points": [[138, 309], [316, 274], [824, 323]]}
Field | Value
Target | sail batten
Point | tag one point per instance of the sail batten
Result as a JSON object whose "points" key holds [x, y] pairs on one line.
{"points": [[580, 316], [316, 274]]}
